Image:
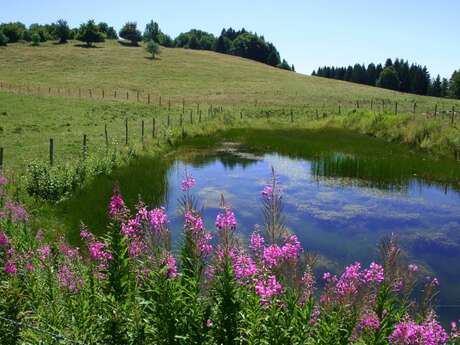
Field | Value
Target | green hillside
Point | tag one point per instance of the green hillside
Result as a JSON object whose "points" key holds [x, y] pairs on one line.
{"points": [[197, 76]]}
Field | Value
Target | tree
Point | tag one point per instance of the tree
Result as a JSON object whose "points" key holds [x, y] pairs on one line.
{"points": [[3, 39], [89, 33], [152, 32], [153, 48], [435, 89], [129, 32], [284, 65], [454, 85], [62, 31], [389, 79], [14, 31], [35, 39], [108, 31], [444, 87]]}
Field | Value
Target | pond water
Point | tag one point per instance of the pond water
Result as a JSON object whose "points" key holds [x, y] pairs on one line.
{"points": [[342, 194]]}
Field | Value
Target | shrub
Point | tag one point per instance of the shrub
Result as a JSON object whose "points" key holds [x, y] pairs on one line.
{"points": [[153, 48], [35, 40], [62, 30], [3, 39], [129, 32], [89, 33], [14, 31]]}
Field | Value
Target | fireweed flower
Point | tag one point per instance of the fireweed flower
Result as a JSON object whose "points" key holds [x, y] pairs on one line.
{"points": [[117, 208], [3, 181], [226, 220], [97, 251], [256, 242], [308, 281], [158, 218], [17, 212], [4, 240], [193, 222], [267, 192], [410, 333], [244, 267], [272, 256], [44, 252], [291, 248], [188, 183], [10, 267], [413, 268], [374, 274], [169, 262], [69, 279], [267, 288], [369, 322]]}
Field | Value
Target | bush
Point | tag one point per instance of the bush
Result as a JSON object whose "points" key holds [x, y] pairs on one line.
{"points": [[14, 31], [153, 48], [35, 40], [62, 30], [89, 33], [3, 39], [129, 32]]}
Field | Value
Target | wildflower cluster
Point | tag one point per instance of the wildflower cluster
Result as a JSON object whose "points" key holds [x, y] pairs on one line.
{"points": [[128, 287]]}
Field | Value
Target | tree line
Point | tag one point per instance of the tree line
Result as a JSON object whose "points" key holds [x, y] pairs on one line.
{"points": [[396, 75], [233, 42]]}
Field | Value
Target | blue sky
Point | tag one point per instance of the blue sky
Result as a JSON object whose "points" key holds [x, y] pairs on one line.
{"points": [[307, 33]]}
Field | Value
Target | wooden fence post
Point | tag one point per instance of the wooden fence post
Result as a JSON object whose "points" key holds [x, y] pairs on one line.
{"points": [[142, 133], [169, 120], [138, 96], [340, 109], [452, 117], [115, 94], [169, 104], [396, 108], [159, 101], [435, 109], [90, 93], [1, 159], [126, 131], [106, 137], [181, 120], [292, 116], [199, 117], [85, 148], [153, 127], [103, 94], [148, 99], [51, 151], [372, 104], [415, 107], [191, 116], [357, 104], [183, 105], [127, 95]]}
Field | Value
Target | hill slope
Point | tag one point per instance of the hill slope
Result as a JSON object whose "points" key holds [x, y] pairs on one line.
{"points": [[197, 76]]}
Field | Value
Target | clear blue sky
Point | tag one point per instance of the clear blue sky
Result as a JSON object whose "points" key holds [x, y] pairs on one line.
{"points": [[308, 33]]}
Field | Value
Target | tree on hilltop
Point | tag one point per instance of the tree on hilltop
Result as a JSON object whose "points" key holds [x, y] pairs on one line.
{"points": [[62, 31], [3, 39], [109, 32], [89, 33], [129, 32], [153, 48], [389, 79]]}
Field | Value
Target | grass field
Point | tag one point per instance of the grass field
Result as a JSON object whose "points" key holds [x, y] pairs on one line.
{"points": [[196, 76], [31, 113]]}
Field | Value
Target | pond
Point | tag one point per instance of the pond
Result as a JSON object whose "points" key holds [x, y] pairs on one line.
{"points": [[342, 192]]}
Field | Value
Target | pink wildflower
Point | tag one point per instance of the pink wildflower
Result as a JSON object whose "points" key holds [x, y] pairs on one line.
{"points": [[170, 262], [4, 241], [272, 256], [226, 220], [188, 183], [17, 212], [256, 242], [244, 267], [10, 267], [69, 279], [117, 208], [268, 288], [374, 274], [44, 252], [369, 322], [3, 180], [158, 218], [267, 192], [410, 333], [413, 268], [97, 251]]}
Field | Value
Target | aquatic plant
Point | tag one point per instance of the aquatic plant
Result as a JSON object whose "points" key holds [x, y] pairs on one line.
{"points": [[129, 287]]}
